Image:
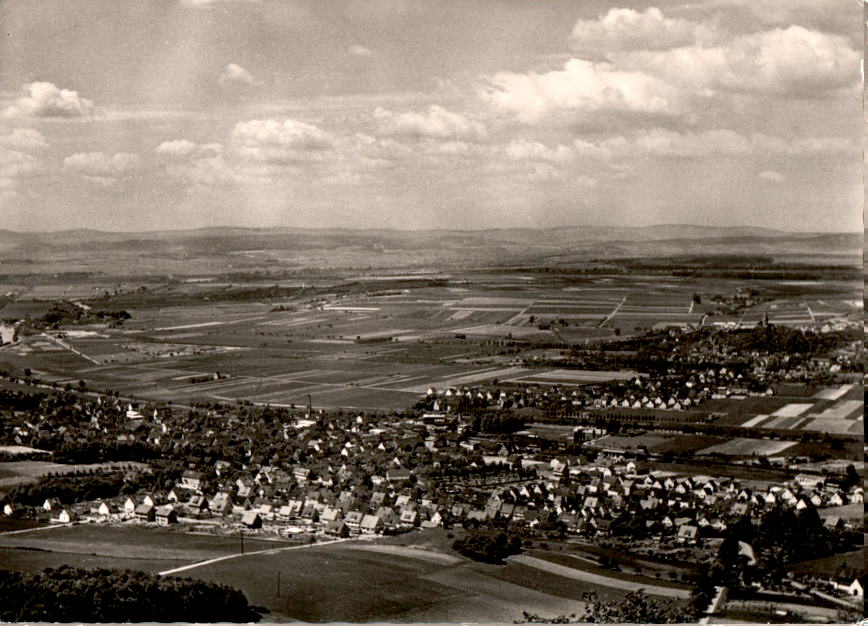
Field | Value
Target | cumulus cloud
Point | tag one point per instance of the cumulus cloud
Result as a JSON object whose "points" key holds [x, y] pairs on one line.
{"points": [[581, 86], [281, 142], [626, 29], [235, 75], [794, 61], [24, 138], [102, 167], [524, 150], [47, 100], [15, 164], [359, 51], [185, 147], [771, 176], [435, 123]]}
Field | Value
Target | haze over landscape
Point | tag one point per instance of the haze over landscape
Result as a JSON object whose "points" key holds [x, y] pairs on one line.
{"points": [[406, 114]]}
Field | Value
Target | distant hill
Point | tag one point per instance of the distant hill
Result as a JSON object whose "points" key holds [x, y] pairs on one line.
{"points": [[184, 251]]}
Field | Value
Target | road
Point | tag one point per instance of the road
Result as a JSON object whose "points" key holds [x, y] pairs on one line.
{"points": [[613, 313], [597, 579], [239, 555]]}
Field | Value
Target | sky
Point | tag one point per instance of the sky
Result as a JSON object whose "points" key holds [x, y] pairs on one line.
{"points": [[133, 115]]}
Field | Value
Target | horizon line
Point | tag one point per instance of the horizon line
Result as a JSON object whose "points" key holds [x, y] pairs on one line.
{"points": [[422, 230]]}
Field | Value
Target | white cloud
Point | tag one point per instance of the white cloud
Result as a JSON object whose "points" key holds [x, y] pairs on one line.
{"points": [[661, 142], [435, 123], [15, 164], [359, 51], [47, 100], [185, 147], [235, 75], [771, 176], [281, 142], [101, 167], [207, 3], [24, 138], [524, 150], [626, 29], [288, 133], [581, 86], [787, 62]]}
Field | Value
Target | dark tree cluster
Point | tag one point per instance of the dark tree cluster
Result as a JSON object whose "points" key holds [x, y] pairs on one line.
{"points": [[637, 607], [490, 546], [70, 594]]}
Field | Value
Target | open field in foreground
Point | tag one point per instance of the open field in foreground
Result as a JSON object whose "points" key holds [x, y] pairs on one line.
{"points": [[343, 583], [132, 546], [412, 578]]}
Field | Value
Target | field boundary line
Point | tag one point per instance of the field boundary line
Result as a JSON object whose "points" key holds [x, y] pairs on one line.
{"points": [[66, 346], [184, 568]]}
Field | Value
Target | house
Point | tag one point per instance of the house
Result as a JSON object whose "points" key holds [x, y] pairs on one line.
{"points": [[687, 534], [221, 504], [52, 504], [251, 519], [65, 516], [387, 516], [354, 519], [850, 587], [337, 529], [410, 516], [166, 515], [129, 507], [433, 521], [197, 503], [105, 509], [370, 524], [330, 514], [145, 513], [398, 475]]}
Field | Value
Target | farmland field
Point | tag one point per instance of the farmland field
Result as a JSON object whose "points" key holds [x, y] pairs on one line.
{"points": [[749, 447], [361, 342]]}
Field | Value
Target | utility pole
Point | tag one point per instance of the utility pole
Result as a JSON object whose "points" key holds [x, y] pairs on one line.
{"points": [[278, 583], [241, 534]]}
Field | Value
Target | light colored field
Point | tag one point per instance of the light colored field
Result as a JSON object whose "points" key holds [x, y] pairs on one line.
{"points": [[499, 330], [754, 421], [455, 381], [749, 447], [575, 376], [832, 393], [837, 427], [854, 511], [513, 303], [782, 422], [842, 410], [413, 553], [792, 410], [19, 450]]}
